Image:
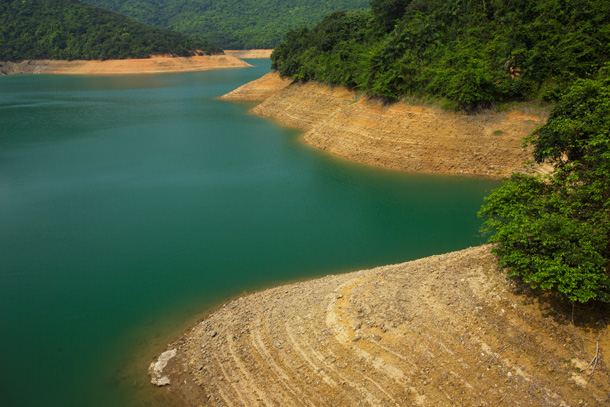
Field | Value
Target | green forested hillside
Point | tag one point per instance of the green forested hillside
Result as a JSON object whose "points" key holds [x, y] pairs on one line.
{"points": [[471, 52], [232, 24], [68, 29]]}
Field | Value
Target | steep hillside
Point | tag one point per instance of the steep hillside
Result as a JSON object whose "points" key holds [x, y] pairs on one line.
{"points": [[470, 53], [232, 24], [68, 29]]}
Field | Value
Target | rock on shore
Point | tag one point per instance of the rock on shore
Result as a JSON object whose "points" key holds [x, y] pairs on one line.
{"points": [[446, 330], [400, 136]]}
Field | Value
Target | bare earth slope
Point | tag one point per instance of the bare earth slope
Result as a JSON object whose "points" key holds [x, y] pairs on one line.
{"points": [[441, 331], [399, 136], [258, 90], [250, 53], [156, 64]]}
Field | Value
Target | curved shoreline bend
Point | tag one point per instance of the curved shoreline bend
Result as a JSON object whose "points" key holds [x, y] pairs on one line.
{"points": [[401, 136], [154, 64], [444, 330], [441, 331]]}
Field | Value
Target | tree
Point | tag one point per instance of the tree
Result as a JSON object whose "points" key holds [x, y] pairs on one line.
{"points": [[388, 12], [554, 232]]}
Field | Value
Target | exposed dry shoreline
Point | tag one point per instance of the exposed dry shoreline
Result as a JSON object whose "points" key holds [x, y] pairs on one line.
{"points": [[446, 330], [155, 64], [250, 53], [400, 136]]}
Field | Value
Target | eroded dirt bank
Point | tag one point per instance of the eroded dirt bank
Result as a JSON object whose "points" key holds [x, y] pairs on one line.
{"points": [[156, 64], [400, 136], [250, 53], [446, 330], [258, 90]]}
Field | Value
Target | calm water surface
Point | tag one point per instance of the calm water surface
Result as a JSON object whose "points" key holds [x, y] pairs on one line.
{"points": [[131, 204]]}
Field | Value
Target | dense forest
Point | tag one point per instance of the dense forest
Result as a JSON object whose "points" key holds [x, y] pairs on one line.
{"points": [[232, 24], [470, 53], [68, 29]]}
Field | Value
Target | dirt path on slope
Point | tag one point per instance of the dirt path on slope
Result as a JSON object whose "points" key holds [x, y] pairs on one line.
{"points": [[446, 330]]}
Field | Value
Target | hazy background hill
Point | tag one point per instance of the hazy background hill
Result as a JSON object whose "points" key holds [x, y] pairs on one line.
{"points": [[232, 24], [69, 29]]}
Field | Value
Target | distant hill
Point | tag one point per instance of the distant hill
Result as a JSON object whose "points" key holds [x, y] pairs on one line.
{"points": [[69, 29], [232, 24]]}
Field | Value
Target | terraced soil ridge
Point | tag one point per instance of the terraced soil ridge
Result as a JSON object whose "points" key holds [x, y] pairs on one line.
{"points": [[155, 64], [250, 53], [446, 330], [258, 90], [400, 136]]}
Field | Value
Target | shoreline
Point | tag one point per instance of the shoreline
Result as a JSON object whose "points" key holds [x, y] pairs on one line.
{"points": [[449, 329], [152, 65], [400, 136], [433, 331], [249, 53]]}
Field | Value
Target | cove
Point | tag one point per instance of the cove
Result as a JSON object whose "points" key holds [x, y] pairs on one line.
{"points": [[131, 204]]}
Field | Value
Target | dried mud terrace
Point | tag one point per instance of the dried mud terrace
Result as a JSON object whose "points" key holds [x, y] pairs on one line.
{"points": [[446, 330], [400, 136]]}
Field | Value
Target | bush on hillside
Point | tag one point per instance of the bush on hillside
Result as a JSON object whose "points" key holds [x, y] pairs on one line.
{"points": [[554, 232]]}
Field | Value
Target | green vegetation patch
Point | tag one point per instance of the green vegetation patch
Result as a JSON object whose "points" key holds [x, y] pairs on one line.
{"points": [[68, 29], [232, 24], [474, 53], [553, 232]]}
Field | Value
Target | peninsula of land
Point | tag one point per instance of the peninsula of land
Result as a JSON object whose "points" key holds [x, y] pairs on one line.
{"points": [[250, 53], [154, 64], [443, 330], [401, 136]]}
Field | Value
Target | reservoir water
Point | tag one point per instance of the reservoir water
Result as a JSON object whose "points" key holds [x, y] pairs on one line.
{"points": [[129, 205]]}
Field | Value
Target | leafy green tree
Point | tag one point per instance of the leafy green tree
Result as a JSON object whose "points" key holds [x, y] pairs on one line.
{"points": [[387, 12], [554, 232]]}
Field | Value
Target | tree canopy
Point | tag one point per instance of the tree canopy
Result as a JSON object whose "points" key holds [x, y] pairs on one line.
{"points": [[554, 232], [232, 24], [471, 52], [68, 29]]}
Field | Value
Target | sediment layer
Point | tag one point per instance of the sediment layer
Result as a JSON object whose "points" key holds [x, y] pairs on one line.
{"points": [[250, 53], [258, 90], [441, 331], [155, 64], [400, 136]]}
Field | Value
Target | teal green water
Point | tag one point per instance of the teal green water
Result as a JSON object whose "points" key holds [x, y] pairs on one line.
{"points": [[131, 204]]}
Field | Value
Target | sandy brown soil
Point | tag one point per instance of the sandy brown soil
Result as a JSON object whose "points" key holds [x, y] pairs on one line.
{"points": [[258, 90], [250, 53], [403, 136], [155, 64], [446, 330]]}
